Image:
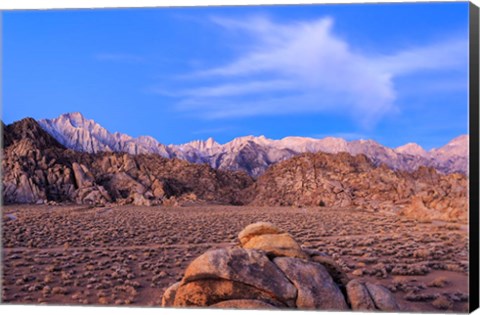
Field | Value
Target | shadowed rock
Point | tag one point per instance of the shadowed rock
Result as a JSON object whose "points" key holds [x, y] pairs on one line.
{"points": [[250, 267], [382, 298], [335, 271], [213, 291], [359, 297], [316, 289], [168, 298]]}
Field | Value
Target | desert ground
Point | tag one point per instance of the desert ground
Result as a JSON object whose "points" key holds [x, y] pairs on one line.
{"points": [[129, 255]]}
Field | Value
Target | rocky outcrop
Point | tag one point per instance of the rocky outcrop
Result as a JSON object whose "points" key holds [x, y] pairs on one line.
{"points": [[346, 181], [240, 277], [38, 169]]}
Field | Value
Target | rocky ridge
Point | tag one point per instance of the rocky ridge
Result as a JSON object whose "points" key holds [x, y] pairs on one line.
{"points": [[269, 270], [253, 154], [38, 169]]}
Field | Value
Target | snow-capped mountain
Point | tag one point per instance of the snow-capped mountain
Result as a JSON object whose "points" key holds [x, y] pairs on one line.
{"points": [[412, 149], [78, 133], [253, 154], [456, 147]]}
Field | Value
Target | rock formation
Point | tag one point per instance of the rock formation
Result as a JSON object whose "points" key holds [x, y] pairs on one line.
{"points": [[346, 181], [274, 274]]}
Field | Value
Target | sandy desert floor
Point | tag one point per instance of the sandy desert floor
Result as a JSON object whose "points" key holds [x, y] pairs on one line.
{"points": [[130, 255]]}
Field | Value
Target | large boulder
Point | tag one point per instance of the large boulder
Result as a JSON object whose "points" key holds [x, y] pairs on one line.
{"points": [[270, 239], [249, 267], [256, 229], [276, 244], [83, 177]]}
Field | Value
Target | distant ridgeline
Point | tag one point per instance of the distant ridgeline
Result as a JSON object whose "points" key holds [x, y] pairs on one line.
{"points": [[253, 154], [71, 159]]}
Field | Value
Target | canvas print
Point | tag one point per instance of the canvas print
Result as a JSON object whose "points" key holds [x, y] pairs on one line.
{"points": [[310, 157]]}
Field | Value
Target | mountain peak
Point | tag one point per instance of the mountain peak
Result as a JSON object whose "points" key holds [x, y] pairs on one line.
{"points": [[75, 115], [412, 149], [456, 147], [463, 139], [76, 119], [211, 143], [75, 131]]}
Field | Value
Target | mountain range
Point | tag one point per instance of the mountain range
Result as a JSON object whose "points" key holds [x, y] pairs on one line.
{"points": [[253, 154], [38, 169]]}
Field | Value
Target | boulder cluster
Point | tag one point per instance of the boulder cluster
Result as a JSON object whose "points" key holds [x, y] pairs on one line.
{"points": [[269, 270]]}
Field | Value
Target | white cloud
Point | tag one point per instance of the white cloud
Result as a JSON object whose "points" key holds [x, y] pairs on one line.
{"points": [[304, 67]]}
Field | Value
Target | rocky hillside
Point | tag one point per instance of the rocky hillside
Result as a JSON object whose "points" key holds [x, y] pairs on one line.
{"points": [[38, 169], [253, 154], [343, 180]]}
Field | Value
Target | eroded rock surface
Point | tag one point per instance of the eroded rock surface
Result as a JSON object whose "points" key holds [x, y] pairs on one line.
{"points": [[345, 181]]}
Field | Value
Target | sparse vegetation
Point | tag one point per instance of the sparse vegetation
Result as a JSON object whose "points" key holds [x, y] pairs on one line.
{"points": [[129, 255]]}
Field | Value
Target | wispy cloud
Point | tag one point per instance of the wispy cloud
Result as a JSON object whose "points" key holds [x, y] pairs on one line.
{"points": [[118, 57], [449, 54], [304, 67]]}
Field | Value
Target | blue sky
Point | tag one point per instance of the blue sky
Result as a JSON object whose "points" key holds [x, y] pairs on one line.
{"points": [[395, 73]]}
